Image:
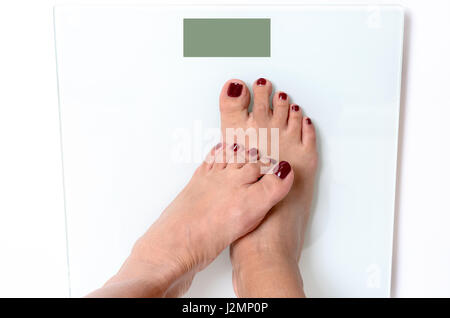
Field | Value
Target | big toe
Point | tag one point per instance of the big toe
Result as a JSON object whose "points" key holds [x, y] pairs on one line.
{"points": [[234, 102]]}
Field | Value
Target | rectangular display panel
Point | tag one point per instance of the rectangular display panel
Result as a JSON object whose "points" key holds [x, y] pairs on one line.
{"points": [[226, 38]]}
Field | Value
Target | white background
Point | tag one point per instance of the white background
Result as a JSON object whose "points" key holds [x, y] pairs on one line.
{"points": [[32, 236]]}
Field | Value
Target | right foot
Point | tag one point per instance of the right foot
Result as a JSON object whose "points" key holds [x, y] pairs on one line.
{"points": [[223, 201], [277, 243]]}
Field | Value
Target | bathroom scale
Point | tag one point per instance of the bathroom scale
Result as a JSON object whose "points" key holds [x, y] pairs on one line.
{"points": [[138, 94]]}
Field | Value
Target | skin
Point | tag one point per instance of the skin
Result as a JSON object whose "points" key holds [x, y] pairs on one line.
{"points": [[223, 201], [262, 216], [273, 250]]}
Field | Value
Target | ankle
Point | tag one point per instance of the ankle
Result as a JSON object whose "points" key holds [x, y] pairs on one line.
{"points": [[258, 261], [244, 251], [267, 276], [135, 275], [159, 269]]}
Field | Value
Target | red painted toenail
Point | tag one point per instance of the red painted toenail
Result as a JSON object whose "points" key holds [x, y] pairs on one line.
{"points": [[282, 170], [261, 81], [308, 121], [234, 89], [282, 96], [253, 152], [295, 108], [235, 147], [219, 145]]}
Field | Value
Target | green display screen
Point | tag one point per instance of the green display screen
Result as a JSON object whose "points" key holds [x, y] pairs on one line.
{"points": [[226, 38]]}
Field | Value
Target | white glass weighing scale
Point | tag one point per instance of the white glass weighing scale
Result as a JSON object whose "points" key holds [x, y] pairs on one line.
{"points": [[135, 80]]}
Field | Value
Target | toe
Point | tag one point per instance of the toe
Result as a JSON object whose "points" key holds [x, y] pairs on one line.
{"points": [[295, 120], [252, 155], [262, 88], [308, 132], [220, 157], [243, 157], [234, 101], [208, 163], [251, 172], [273, 187], [236, 156], [280, 108]]}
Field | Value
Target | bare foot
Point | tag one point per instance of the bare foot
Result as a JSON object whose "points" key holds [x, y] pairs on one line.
{"points": [[223, 201], [277, 243]]}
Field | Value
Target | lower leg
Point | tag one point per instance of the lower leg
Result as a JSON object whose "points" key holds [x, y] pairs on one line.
{"points": [[269, 275]]}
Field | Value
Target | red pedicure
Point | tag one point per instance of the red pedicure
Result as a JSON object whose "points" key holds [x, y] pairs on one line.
{"points": [[261, 81], [219, 145], [253, 152], [282, 96], [295, 108], [235, 147], [282, 170], [234, 89], [308, 121]]}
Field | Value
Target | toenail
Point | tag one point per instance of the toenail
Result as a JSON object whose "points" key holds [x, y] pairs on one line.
{"points": [[282, 96], [219, 145], [308, 121], [261, 81], [295, 108], [235, 147], [234, 89], [253, 152], [282, 170]]}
